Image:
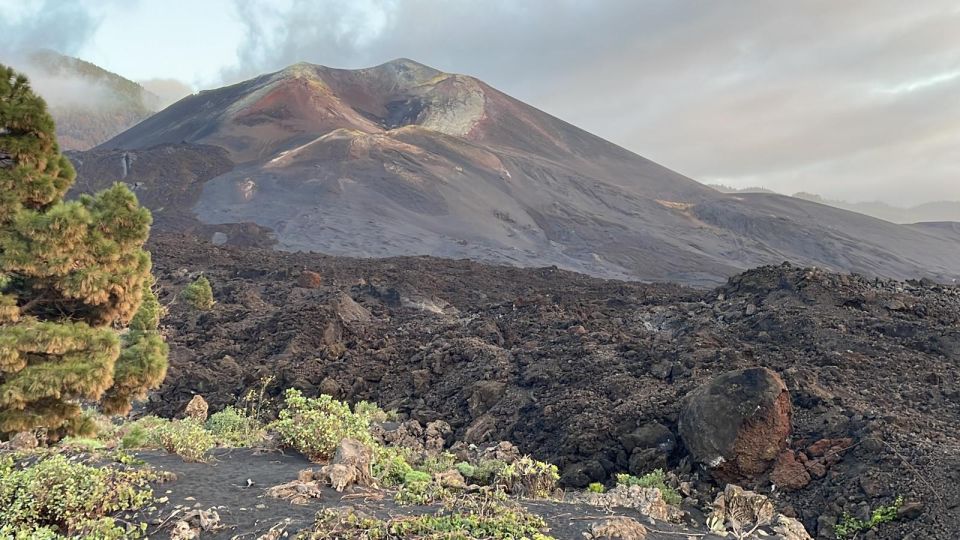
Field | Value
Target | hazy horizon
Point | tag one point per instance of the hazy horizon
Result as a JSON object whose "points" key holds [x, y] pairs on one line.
{"points": [[853, 101]]}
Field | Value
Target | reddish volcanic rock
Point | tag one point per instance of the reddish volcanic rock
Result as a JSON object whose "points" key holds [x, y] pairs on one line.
{"points": [[309, 280], [827, 447], [737, 423], [788, 473]]}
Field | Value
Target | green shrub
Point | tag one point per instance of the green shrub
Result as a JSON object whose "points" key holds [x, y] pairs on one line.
{"points": [[345, 524], [234, 428], [528, 477], [185, 438], [56, 498], [442, 462], [656, 479], [199, 294], [80, 444], [596, 487], [414, 477], [849, 526], [139, 433], [315, 426], [390, 465], [468, 470], [420, 489], [484, 473]]}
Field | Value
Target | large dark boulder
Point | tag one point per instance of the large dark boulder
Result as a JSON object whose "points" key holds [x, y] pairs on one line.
{"points": [[737, 423], [649, 447]]}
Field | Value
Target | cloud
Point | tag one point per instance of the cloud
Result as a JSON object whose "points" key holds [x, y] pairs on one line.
{"points": [[52, 24], [168, 90]]}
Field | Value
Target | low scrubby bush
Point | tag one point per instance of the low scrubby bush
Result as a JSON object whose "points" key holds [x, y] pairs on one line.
{"points": [[234, 428], [186, 438], [475, 516], [315, 426], [528, 477], [199, 294], [390, 465], [139, 433], [55, 498]]}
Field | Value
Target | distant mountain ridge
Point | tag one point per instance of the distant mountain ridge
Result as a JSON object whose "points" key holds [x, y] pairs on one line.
{"points": [[403, 159], [88, 103], [935, 211]]}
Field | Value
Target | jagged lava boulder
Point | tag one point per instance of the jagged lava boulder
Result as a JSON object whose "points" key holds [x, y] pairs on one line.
{"points": [[737, 423]]}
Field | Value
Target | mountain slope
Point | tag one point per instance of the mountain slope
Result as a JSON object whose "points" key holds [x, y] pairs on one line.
{"points": [[404, 159], [88, 103]]}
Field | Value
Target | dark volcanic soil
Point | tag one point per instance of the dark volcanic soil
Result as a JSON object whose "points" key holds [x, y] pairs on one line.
{"points": [[246, 511], [565, 365]]}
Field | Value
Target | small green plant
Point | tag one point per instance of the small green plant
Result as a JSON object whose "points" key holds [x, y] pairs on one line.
{"points": [[233, 428], [528, 477], [849, 526], [390, 465], [414, 477], [656, 479], [420, 489], [199, 294], [596, 487], [56, 498], [81, 444], [139, 433], [484, 473], [468, 470], [315, 426], [257, 400], [442, 462], [476, 516], [185, 438]]}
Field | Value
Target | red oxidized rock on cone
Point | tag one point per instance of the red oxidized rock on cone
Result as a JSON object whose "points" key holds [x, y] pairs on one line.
{"points": [[737, 423]]}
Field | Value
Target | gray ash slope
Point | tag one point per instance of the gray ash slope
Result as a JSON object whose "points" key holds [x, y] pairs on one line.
{"points": [[403, 159]]}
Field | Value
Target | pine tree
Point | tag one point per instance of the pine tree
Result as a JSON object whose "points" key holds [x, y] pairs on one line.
{"points": [[73, 274]]}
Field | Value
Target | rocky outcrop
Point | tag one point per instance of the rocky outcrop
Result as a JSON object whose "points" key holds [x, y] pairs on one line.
{"points": [[743, 512], [24, 440], [351, 464], [789, 473], [646, 500], [430, 439], [650, 445], [196, 409], [737, 423], [616, 528]]}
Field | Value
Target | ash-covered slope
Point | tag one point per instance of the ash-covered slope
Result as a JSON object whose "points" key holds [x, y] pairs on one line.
{"points": [[403, 159]]}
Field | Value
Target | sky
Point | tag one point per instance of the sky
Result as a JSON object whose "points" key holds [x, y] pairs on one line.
{"points": [[853, 100]]}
